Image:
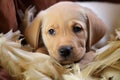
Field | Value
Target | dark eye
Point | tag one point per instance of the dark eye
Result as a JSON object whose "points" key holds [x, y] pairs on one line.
{"points": [[77, 29], [52, 32]]}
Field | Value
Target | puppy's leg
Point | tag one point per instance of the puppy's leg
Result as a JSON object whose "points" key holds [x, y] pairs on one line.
{"points": [[89, 57]]}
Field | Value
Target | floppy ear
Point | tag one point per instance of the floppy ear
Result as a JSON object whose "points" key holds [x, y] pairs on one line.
{"points": [[32, 32], [96, 28]]}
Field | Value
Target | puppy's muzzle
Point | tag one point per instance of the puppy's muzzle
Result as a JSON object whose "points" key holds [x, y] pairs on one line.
{"points": [[65, 51]]}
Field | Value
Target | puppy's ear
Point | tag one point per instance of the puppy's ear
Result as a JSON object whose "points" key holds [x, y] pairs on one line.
{"points": [[96, 29], [32, 32]]}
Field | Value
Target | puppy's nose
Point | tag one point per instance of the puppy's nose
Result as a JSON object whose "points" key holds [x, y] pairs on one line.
{"points": [[65, 51]]}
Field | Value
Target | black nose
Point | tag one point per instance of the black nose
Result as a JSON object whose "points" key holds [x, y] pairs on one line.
{"points": [[65, 51]]}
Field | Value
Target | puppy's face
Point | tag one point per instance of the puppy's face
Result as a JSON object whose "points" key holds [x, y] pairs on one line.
{"points": [[67, 31], [64, 32]]}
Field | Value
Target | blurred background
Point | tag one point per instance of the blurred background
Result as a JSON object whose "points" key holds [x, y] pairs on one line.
{"points": [[11, 12]]}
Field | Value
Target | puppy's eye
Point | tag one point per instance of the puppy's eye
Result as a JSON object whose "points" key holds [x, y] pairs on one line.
{"points": [[77, 29], [52, 32]]}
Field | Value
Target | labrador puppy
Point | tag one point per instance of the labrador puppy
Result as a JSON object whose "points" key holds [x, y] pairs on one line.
{"points": [[66, 31]]}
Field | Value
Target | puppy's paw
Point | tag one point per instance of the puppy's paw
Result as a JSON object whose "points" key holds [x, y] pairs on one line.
{"points": [[88, 58]]}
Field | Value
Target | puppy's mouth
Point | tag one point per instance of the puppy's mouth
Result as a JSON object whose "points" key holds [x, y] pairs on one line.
{"points": [[69, 60], [67, 56], [66, 61]]}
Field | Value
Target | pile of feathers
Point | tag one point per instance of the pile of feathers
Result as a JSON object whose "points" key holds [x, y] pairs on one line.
{"points": [[23, 64]]}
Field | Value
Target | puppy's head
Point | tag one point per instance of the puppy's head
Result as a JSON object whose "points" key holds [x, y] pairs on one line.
{"points": [[67, 30]]}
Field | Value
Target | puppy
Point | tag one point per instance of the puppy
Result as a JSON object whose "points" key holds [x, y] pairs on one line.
{"points": [[66, 31]]}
